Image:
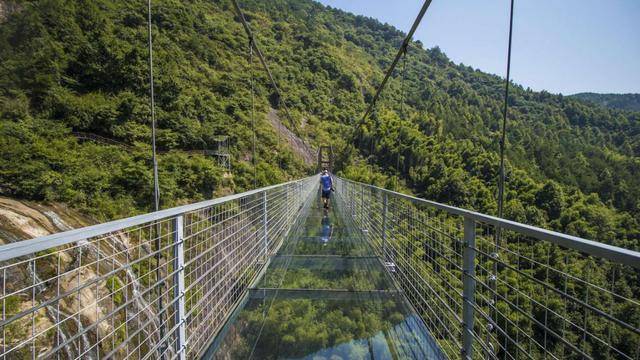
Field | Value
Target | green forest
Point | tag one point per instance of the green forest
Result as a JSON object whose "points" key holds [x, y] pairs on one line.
{"points": [[615, 101], [571, 165], [70, 67]]}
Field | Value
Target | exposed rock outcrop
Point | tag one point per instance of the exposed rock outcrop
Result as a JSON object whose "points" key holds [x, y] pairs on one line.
{"points": [[40, 278], [297, 144], [6, 9]]}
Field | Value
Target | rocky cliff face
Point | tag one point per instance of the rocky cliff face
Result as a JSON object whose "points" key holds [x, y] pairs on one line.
{"points": [[6, 9], [40, 278], [21, 220]]}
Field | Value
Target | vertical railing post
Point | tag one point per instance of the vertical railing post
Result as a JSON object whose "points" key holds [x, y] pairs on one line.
{"points": [[264, 225], [288, 208], [354, 191], [294, 198], [384, 226], [469, 284], [178, 288], [362, 207]]}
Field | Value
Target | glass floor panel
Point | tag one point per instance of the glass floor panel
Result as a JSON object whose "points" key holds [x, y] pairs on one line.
{"points": [[324, 296], [306, 328], [328, 231], [326, 272], [324, 222], [334, 246]]}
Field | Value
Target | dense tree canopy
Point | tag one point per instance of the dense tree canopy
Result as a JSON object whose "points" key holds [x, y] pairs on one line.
{"points": [[86, 71]]}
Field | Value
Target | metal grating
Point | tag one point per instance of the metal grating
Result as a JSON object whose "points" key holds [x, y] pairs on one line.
{"points": [[158, 285], [496, 289]]}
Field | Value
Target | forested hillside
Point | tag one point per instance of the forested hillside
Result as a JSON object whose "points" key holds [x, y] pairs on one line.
{"points": [[614, 101], [81, 66]]}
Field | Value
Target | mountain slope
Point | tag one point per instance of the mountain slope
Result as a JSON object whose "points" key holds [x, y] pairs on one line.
{"points": [[443, 142], [613, 101], [87, 72]]}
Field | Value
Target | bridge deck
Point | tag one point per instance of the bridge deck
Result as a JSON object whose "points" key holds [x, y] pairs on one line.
{"points": [[324, 296]]}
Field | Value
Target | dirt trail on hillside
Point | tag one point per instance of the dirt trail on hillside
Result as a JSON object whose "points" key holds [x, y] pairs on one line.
{"points": [[298, 145]]}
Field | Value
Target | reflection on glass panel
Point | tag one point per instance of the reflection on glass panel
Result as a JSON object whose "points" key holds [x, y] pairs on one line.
{"points": [[327, 329], [338, 246]]}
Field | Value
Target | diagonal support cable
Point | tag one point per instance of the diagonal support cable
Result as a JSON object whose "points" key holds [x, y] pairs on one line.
{"points": [[253, 117], [152, 105], [160, 286], [401, 51], [252, 42], [503, 138], [494, 315]]}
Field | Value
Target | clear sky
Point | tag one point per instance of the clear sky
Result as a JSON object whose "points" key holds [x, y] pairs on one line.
{"points": [[562, 46]]}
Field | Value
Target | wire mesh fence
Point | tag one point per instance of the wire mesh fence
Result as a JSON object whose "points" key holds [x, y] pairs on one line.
{"points": [[159, 285], [489, 288]]}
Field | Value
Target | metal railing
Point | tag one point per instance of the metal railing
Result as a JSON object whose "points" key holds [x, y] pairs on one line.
{"points": [[496, 289], [159, 285]]}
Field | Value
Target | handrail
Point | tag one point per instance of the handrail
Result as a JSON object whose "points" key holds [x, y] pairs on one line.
{"points": [[481, 298], [121, 284], [21, 248], [439, 255], [594, 248]]}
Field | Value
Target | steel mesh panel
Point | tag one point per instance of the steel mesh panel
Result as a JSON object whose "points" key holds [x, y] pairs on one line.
{"points": [[530, 297], [158, 285]]}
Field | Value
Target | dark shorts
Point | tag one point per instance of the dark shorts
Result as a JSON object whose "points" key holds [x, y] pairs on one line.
{"points": [[326, 194]]}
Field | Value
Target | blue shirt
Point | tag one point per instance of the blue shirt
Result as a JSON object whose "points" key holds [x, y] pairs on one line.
{"points": [[325, 180]]}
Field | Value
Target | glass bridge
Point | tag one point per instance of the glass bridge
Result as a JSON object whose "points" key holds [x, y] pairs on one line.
{"points": [[269, 274], [325, 295]]}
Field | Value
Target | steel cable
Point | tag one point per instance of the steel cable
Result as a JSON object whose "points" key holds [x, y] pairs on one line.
{"points": [[253, 115], [402, 113], [156, 185], [502, 149]]}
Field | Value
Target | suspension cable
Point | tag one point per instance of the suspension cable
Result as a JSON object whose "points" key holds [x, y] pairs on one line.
{"points": [[253, 116], [279, 129], [404, 75], [402, 114], [253, 43], [156, 187], [160, 288], [504, 119], [402, 49], [503, 138]]}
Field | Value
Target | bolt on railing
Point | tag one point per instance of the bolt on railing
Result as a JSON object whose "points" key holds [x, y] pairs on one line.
{"points": [[549, 295], [93, 292]]}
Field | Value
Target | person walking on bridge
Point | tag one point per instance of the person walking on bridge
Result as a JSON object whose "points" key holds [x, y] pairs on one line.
{"points": [[326, 186]]}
